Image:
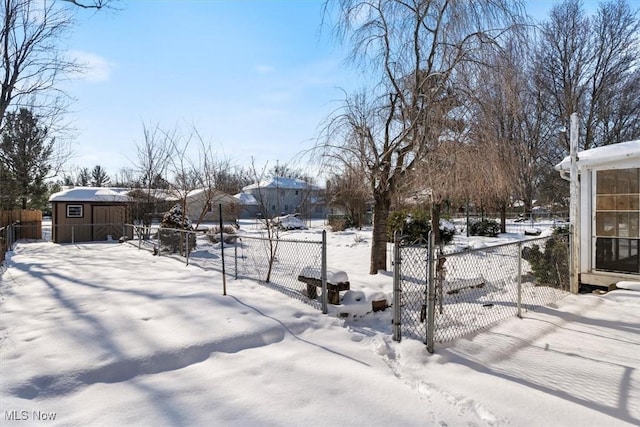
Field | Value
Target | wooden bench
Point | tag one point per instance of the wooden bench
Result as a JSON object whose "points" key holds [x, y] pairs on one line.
{"points": [[336, 281]]}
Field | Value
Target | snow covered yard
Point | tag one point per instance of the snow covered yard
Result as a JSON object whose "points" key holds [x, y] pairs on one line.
{"points": [[106, 334]]}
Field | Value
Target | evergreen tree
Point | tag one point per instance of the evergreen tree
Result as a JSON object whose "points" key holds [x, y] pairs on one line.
{"points": [[99, 177], [84, 178], [25, 154]]}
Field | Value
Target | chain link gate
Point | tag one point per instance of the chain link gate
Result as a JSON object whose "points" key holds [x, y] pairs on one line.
{"points": [[413, 299], [464, 292]]}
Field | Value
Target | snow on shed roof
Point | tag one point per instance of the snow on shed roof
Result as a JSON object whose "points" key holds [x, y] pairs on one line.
{"points": [[246, 199], [90, 194], [281, 182], [600, 156]]}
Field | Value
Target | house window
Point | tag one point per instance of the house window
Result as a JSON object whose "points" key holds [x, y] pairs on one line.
{"points": [[617, 220], [74, 211]]}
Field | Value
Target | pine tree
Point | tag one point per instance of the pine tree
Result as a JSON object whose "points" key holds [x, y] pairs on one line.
{"points": [[99, 177], [25, 154]]}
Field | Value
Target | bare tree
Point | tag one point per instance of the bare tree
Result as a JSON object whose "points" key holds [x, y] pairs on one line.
{"points": [[413, 48], [153, 155], [589, 65], [348, 190], [32, 61], [84, 177], [271, 229], [208, 169], [92, 4]]}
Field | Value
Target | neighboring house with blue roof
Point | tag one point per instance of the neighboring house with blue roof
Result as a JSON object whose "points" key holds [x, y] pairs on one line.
{"points": [[281, 196]]}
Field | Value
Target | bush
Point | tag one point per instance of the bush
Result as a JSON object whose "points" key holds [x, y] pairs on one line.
{"points": [[550, 265], [485, 227], [229, 234], [415, 225], [169, 234], [340, 222]]}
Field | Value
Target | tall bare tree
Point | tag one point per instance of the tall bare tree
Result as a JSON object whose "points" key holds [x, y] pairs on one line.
{"points": [[32, 61], [589, 65], [413, 50]]}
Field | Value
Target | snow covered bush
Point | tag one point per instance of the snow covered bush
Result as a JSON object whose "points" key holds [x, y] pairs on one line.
{"points": [[485, 227], [169, 234], [229, 234]]}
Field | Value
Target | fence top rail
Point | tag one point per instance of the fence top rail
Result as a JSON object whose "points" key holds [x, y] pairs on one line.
{"points": [[487, 248], [244, 236]]}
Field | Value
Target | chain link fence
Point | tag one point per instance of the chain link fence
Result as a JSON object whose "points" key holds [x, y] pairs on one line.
{"points": [[278, 264], [273, 262], [477, 288]]}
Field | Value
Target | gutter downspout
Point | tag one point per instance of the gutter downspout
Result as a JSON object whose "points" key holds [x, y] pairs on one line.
{"points": [[574, 217]]}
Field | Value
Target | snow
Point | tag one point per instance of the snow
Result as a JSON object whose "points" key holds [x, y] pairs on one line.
{"points": [[106, 334], [333, 276], [281, 182], [289, 222], [246, 199], [89, 194], [634, 286], [620, 152]]}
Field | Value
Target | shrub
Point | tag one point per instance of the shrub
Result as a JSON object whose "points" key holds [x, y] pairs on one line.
{"points": [[415, 225], [169, 234], [340, 222], [550, 265], [229, 234], [485, 227]]}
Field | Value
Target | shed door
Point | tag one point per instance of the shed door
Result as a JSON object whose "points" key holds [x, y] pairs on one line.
{"points": [[107, 221]]}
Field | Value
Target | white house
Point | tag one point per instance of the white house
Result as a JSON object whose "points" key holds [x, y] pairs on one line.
{"points": [[280, 196], [609, 213]]}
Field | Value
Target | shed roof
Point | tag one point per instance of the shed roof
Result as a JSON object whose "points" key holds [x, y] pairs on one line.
{"points": [[90, 194], [606, 155], [246, 199]]}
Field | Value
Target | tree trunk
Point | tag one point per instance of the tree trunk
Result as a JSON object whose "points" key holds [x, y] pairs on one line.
{"points": [[379, 244], [503, 218], [435, 222]]}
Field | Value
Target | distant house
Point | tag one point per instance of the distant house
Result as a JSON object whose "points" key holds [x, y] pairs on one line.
{"points": [[206, 203], [83, 214], [155, 202], [249, 207], [609, 213], [280, 196]]}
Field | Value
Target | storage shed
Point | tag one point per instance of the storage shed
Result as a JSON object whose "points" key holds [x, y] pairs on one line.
{"points": [[608, 213], [84, 214]]}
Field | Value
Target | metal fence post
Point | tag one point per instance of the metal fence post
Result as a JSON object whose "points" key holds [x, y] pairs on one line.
{"points": [[397, 295], [323, 273], [235, 258], [519, 303], [187, 236], [431, 295]]}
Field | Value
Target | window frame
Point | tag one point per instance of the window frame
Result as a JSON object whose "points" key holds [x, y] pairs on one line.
{"points": [[74, 206]]}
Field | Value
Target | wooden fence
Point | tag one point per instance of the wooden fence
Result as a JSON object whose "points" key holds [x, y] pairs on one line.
{"points": [[29, 223]]}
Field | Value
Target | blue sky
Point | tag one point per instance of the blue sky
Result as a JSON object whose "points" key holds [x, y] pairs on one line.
{"points": [[256, 78]]}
